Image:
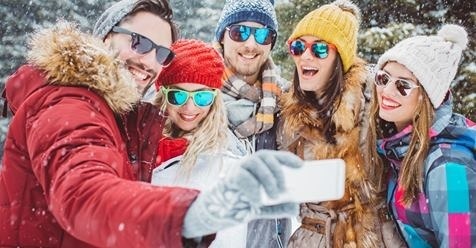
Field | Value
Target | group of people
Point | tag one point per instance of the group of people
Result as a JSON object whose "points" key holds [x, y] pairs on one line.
{"points": [[132, 137]]}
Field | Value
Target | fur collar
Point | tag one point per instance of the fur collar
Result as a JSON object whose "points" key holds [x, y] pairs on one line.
{"points": [[72, 58], [297, 116]]}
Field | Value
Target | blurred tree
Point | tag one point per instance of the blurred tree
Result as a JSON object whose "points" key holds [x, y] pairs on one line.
{"points": [[21, 17], [386, 22], [197, 19]]}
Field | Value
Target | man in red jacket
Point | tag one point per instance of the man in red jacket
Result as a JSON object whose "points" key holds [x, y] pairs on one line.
{"points": [[75, 154]]}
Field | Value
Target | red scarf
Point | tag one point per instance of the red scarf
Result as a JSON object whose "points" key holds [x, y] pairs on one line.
{"points": [[170, 148]]}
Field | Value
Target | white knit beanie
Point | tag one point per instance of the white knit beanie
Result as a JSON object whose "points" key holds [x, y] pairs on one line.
{"points": [[432, 59]]}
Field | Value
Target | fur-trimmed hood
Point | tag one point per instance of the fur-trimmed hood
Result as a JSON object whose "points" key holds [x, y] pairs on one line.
{"points": [[65, 56]]}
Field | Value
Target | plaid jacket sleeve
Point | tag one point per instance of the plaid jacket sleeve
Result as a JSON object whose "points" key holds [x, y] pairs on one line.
{"points": [[451, 194]]}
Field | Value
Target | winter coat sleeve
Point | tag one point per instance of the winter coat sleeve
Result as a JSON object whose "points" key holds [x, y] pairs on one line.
{"points": [[78, 156], [451, 190]]}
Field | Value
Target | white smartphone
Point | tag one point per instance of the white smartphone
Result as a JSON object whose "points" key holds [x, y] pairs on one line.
{"points": [[315, 181]]}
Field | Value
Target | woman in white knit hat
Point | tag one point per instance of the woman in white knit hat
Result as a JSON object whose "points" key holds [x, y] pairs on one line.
{"points": [[425, 152]]}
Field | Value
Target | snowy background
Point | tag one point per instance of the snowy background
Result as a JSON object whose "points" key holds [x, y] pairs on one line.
{"points": [[384, 23]]}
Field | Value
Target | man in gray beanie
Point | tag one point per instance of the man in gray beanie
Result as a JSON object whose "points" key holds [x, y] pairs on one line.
{"points": [[141, 31], [245, 35]]}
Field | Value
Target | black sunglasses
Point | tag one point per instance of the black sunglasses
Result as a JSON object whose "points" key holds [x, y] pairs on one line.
{"points": [[241, 33], [143, 45]]}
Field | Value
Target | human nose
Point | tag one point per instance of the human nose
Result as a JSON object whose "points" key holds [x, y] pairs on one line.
{"points": [[251, 41], [189, 105], [390, 88], [307, 54], [149, 59]]}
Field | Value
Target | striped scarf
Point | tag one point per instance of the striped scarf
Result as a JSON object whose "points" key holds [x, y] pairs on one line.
{"points": [[265, 97]]}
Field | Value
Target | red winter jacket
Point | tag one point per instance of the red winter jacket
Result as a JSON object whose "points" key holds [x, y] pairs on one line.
{"points": [[66, 178]]}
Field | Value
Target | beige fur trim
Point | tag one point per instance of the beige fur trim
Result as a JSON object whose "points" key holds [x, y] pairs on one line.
{"points": [[72, 58], [346, 117]]}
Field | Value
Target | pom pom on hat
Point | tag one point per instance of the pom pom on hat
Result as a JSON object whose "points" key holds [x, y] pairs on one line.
{"points": [[335, 23], [455, 34], [194, 62], [350, 7], [432, 59]]}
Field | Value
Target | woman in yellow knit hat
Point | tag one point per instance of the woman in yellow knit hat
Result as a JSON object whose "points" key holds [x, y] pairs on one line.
{"points": [[323, 117]]}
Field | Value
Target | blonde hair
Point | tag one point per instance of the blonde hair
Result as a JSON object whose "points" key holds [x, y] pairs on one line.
{"points": [[209, 136], [411, 174]]}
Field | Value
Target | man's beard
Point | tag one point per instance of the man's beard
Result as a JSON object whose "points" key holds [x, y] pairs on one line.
{"points": [[242, 70], [153, 75]]}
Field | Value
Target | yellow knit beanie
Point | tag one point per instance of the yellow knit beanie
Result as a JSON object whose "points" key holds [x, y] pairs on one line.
{"points": [[335, 23]]}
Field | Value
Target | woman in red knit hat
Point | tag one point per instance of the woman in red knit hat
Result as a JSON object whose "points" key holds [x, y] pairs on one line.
{"points": [[196, 151]]}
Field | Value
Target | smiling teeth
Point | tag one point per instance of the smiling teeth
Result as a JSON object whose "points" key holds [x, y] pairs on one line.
{"points": [[188, 117], [249, 56], [390, 103], [309, 68], [138, 74]]}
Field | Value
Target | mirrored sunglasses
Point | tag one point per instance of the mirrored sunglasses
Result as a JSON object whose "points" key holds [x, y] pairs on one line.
{"points": [[178, 97], [241, 33], [143, 45], [319, 49], [404, 87]]}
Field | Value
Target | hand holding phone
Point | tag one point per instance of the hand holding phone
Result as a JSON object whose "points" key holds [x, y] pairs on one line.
{"points": [[315, 181]]}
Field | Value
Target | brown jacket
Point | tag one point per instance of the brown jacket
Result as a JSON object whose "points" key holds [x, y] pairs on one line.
{"points": [[351, 220]]}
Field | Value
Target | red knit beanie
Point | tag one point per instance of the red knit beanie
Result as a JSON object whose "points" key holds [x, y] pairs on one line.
{"points": [[194, 62]]}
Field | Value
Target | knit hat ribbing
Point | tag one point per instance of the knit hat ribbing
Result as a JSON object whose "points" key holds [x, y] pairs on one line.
{"points": [[432, 59], [194, 62], [235, 11], [335, 23], [112, 16]]}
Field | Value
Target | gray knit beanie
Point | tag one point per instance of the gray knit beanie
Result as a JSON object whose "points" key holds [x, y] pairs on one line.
{"points": [[112, 16]]}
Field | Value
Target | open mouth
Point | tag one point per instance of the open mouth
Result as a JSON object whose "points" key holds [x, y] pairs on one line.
{"points": [[309, 71]]}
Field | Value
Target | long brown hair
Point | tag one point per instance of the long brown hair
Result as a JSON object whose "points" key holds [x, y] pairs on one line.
{"points": [[160, 8], [328, 102], [411, 175]]}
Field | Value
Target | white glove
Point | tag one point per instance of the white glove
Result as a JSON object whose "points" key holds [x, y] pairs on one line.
{"points": [[237, 199]]}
